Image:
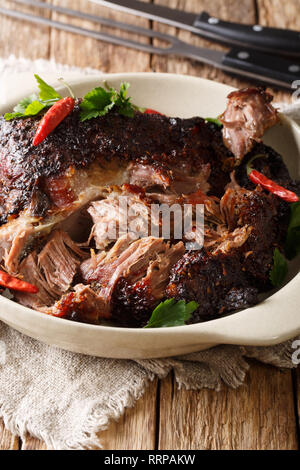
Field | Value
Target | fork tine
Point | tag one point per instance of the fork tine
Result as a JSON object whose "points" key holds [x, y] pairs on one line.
{"points": [[98, 35], [99, 20]]}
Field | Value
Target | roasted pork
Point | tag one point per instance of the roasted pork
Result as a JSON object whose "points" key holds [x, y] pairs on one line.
{"points": [[52, 270], [64, 230], [126, 282], [248, 115]]}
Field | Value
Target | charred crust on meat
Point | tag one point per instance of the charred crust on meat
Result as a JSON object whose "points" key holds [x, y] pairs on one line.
{"points": [[209, 279], [152, 139], [132, 304], [164, 159]]}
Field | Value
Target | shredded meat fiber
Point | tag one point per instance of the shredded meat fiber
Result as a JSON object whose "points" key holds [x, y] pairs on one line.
{"points": [[248, 115], [64, 229]]}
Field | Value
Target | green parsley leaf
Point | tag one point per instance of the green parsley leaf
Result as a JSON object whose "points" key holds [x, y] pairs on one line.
{"points": [[33, 104], [22, 105], [279, 269], [171, 313], [123, 103], [138, 108], [34, 108], [47, 92], [214, 121], [10, 116], [292, 243], [99, 102], [20, 108]]}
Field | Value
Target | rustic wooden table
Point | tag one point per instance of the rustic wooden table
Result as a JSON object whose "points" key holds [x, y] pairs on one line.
{"points": [[262, 414]]}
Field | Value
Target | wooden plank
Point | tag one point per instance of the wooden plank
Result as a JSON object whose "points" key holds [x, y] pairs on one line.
{"points": [[297, 398], [136, 429], [8, 441], [30, 443], [278, 13], [77, 50], [120, 435], [282, 15], [259, 415], [235, 10], [21, 38]]}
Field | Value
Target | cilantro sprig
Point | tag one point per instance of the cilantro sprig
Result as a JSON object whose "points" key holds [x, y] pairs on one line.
{"points": [[214, 121], [171, 313], [100, 101], [34, 104], [279, 269], [47, 92], [97, 102], [292, 244], [291, 248]]}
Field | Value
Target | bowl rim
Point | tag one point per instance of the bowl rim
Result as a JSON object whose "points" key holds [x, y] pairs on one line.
{"points": [[207, 326]]}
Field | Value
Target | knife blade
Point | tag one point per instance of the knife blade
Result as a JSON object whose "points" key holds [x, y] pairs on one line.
{"points": [[252, 64], [275, 41]]}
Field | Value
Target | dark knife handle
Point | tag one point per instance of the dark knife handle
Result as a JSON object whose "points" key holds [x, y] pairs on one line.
{"points": [[273, 40], [263, 67]]}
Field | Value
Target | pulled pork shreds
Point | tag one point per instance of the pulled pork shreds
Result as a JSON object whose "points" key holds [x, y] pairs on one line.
{"points": [[59, 260], [132, 262], [89, 266], [248, 115], [147, 260], [32, 273], [52, 270], [13, 239], [84, 304], [125, 209], [227, 241], [72, 182], [113, 218]]}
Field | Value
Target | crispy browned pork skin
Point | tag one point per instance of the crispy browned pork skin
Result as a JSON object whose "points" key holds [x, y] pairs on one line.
{"points": [[248, 115], [58, 201], [39, 179], [231, 275], [41, 186]]}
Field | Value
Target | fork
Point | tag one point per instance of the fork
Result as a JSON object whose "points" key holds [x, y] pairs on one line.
{"points": [[251, 64]]}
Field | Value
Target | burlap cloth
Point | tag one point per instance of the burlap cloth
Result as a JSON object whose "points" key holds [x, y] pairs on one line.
{"points": [[66, 399]]}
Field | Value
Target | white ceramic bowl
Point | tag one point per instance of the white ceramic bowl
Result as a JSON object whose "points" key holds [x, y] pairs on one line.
{"points": [[274, 320]]}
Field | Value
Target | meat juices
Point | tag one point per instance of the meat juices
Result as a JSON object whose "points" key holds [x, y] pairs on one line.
{"points": [[58, 199]]}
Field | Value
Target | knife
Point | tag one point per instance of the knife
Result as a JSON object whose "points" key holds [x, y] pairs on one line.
{"points": [[275, 41], [252, 64]]}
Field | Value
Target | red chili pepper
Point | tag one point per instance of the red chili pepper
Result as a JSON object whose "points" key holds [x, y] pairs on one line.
{"points": [[57, 113], [10, 282], [152, 111], [258, 178]]}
